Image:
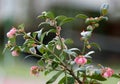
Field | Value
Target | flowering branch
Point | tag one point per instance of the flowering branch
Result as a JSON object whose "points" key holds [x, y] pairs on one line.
{"points": [[56, 56]]}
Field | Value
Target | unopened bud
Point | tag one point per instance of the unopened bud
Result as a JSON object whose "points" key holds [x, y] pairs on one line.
{"points": [[104, 9], [96, 25], [89, 28]]}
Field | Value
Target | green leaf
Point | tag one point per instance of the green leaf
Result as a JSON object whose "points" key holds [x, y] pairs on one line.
{"points": [[15, 48], [60, 18], [34, 34], [116, 76], [89, 53], [40, 16], [66, 20], [74, 49], [68, 41], [4, 50], [45, 14], [46, 55], [97, 77], [43, 23], [54, 64], [42, 37], [95, 45], [47, 72], [32, 50], [12, 40], [53, 79], [21, 26], [39, 33], [51, 45], [41, 62], [40, 48], [69, 52], [82, 16], [28, 34], [81, 69], [28, 43], [50, 15], [69, 79], [63, 56], [51, 31], [89, 61]]}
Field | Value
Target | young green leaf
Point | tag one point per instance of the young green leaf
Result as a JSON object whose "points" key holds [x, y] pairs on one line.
{"points": [[95, 45], [70, 80], [21, 26], [53, 79], [41, 62], [74, 49], [50, 31], [97, 77], [60, 18], [82, 16], [43, 23], [40, 16], [66, 20], [40, 48], [39, 33], [116, 76], [42, 37], [68, 41], [32, 50], [54, 64], [50, 15]]}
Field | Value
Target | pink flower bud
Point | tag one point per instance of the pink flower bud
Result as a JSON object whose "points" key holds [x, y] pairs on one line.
{"points": [[13, 30], [11, 33], [80, 60], [15, 53], [35, 70], [107, 72], [58, 47]]}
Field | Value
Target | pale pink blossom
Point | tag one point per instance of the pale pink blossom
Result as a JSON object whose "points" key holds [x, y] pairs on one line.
{"points": [[58, 47], [80, 60], [11, 33], [34, 70], [13, 30], [107, 72], [15, 53]]}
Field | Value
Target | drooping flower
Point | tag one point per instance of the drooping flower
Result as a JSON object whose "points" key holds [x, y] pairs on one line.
{"points": [[35, 70], [107, 72], [15, 53], [80, 60], [11, 33]]}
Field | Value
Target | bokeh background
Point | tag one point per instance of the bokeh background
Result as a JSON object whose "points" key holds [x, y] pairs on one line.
{"points": [[15, 70]]}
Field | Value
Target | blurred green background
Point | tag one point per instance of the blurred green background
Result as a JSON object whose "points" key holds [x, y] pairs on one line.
{"points": [[15, 70]]}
